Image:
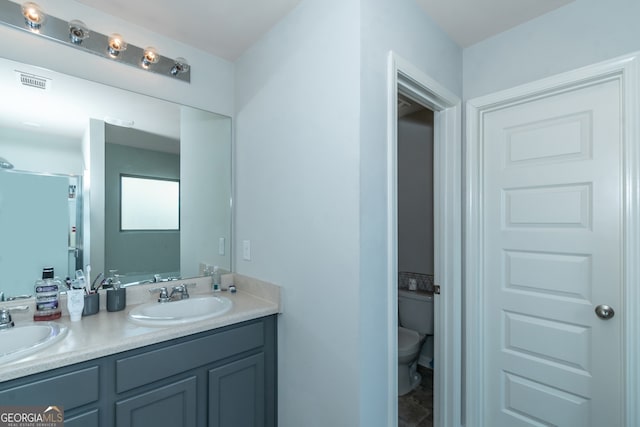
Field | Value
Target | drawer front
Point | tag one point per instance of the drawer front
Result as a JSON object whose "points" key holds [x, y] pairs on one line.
{"points": [[70, 390], [146, 368]]}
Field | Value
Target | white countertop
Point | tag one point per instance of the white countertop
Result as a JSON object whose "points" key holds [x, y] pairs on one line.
{"points": [[107, 333]]}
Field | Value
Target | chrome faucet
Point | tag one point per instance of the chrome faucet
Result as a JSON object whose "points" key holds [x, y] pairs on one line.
{"points": [[181, 290]]}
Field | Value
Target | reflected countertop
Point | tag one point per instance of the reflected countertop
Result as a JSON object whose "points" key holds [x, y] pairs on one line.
{"points": [[108, 333]]}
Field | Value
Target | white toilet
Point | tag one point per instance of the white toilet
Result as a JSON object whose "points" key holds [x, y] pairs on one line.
{"points": [[416, 322]]}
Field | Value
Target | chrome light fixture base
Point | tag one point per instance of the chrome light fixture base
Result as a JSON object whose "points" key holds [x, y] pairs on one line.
{"points": [[29, 18]]}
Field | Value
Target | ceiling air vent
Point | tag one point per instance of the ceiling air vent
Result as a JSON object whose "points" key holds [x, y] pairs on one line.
{"points": [[33, 80]]}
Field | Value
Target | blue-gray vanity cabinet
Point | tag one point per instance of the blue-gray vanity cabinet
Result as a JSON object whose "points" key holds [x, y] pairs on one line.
{"points": [[223, 377]]}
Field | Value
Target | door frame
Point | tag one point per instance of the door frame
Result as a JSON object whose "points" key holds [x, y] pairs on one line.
{"points": [[625, 70], [406, 78]]}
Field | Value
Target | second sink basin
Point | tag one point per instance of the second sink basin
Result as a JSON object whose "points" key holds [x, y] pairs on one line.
{"points": [[22, 341], [180, 312]]}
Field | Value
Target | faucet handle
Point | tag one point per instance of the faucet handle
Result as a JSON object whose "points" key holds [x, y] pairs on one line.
{"points": [[183, 288], [164, 294], [5, 315], [5, 319]]}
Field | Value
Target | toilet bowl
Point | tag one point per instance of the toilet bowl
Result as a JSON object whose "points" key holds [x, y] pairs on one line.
{"points": [[409, 344], [415, 311]]}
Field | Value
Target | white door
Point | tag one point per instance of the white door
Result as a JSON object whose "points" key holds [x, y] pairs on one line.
{"points": [[552, 253]]}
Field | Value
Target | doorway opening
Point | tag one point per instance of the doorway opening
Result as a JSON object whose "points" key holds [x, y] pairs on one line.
{"points": [[415, 263], [407, 82]]}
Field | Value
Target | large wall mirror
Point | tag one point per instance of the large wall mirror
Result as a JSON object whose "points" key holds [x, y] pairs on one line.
{"points": [[73, 148]]}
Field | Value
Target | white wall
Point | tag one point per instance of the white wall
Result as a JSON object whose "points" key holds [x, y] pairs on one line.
{"points": [[576, 35], [311, 193], [32, 151], [401, 26], [205, 175], [211, 85], [297, 160]]}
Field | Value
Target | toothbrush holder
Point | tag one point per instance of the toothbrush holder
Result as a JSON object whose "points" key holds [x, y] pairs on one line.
{"points": [[91, 304]]}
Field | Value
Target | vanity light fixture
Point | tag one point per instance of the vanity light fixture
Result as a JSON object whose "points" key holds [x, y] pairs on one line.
{"points": [[181, 66], [116, 45], [29, 17], [78, 31], [150, 57], [33, 15]]}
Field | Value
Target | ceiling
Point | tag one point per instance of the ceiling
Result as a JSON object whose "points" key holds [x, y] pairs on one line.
{"points": [[470, 21], [226, 28]]}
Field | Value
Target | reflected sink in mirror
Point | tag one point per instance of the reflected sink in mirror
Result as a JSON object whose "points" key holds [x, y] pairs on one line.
{"points": [[180, 312], [22, 341]]}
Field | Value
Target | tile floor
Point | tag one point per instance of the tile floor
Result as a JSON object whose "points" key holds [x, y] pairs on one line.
{"points": [[415, 409]]}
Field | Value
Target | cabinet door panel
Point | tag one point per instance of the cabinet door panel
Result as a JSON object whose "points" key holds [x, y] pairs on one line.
{"points": [[236, 393], [86, 419], [171, 405]]}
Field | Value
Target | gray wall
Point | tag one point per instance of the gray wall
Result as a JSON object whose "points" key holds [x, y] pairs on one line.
{"points": [[137, 251], [415, 193]]}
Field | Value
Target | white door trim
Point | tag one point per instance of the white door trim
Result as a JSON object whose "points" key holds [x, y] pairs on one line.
{"points": [[404, 77], [626, 71]]}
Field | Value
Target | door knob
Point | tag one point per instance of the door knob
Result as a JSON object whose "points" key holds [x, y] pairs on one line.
{"points": [[604, 312]]}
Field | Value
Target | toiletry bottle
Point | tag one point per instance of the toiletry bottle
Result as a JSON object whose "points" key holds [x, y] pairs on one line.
{"points": [[47, 292], [75, 301], [215, 279]]}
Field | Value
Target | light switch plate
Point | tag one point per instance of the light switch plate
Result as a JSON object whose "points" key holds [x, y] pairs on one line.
{"points": [[246, 250]]}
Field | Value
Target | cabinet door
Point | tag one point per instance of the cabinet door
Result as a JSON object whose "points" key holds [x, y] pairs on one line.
{"points": [[90, 418], [171, 405], [237, 394]]}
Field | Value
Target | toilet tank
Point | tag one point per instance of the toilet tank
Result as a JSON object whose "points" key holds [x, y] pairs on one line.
{"points": [[416, 311]]}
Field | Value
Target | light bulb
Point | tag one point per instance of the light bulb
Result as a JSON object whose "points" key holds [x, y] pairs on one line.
{"points": [[181, 66], [78, 31], [116, 45], [150, 57], [33, 15]]}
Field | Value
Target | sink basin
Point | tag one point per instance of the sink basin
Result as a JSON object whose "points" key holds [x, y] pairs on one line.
{"points": [[180, 312], [22, 341]]}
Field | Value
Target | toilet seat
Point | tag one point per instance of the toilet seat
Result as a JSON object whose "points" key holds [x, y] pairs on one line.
{"points": [[408, 342]]}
